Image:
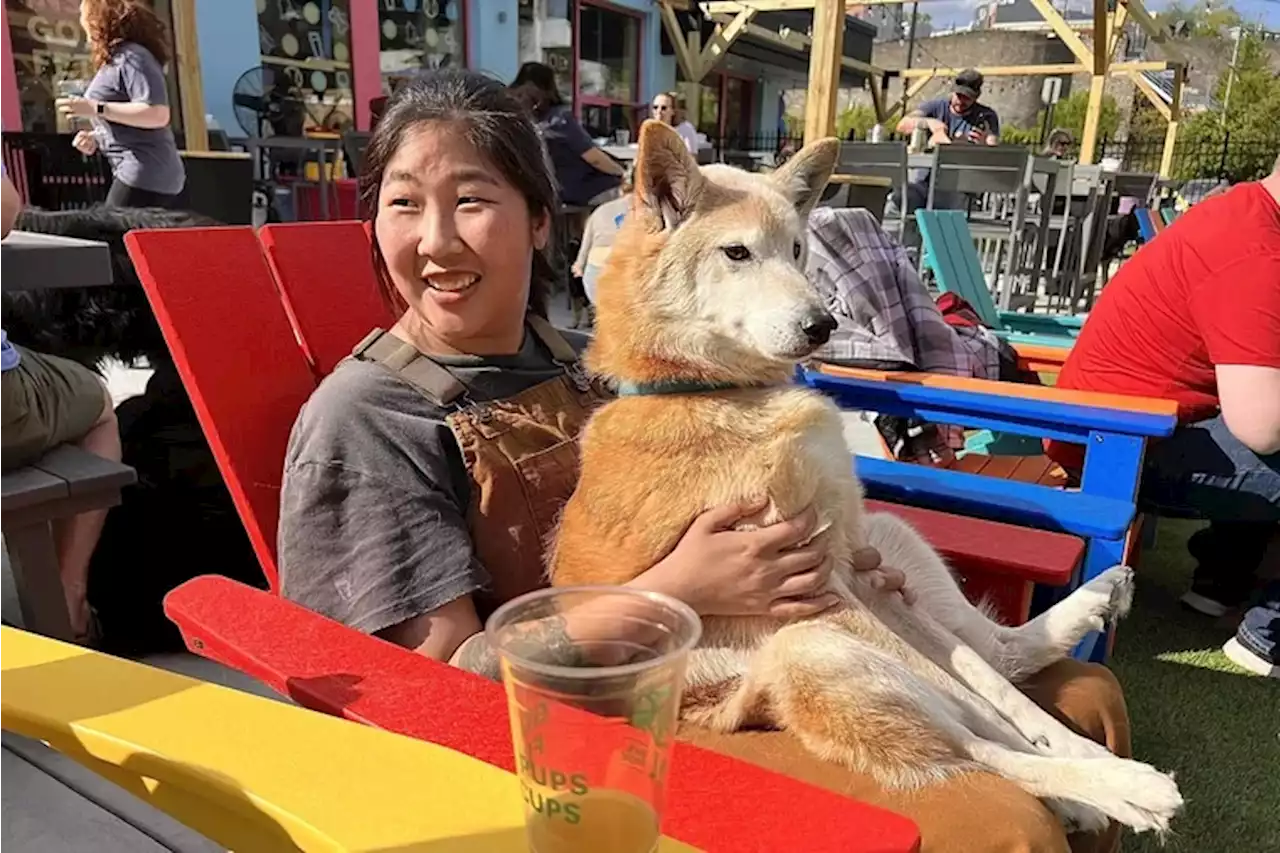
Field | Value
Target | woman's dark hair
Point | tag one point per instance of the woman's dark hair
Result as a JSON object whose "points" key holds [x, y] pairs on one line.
{"points": [[486, 114], [541, 77], [113, 22]]}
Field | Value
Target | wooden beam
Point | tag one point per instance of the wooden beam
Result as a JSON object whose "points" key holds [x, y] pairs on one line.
{"points": [[1115, 30], [1069, 36], [1157, 34], [675, 35], [1092, 115], [824, 70], [757, 6], [693, 39], [1171, 132], [900, 108], [799, 42], [722, 39], [1145, 87], [1032, 70], [877, 100], [190, 88], [1100, 31]]}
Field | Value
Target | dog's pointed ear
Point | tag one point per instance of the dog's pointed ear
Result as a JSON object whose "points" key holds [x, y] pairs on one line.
{"points": [[667, 178], [803, 178]]}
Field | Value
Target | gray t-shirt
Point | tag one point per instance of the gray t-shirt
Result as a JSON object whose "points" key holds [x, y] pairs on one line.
{"points": [[143, 158], [373, 508]]}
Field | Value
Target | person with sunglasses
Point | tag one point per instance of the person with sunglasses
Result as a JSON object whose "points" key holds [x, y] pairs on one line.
{"points": [[665, 108]]}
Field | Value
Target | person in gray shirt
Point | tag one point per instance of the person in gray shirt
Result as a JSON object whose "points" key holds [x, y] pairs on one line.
{"points": [[128, 105]]}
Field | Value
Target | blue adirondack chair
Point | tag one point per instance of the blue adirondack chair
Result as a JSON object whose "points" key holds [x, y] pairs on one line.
{"points": [[950, 253], [1103, 511], [1146, 225]]}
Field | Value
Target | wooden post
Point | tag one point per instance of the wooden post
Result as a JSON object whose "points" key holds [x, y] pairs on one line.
{"points": [[824, 69], [1097, 83], [1101, 43], [187, 62], [1175, 112], [1089, 143]]}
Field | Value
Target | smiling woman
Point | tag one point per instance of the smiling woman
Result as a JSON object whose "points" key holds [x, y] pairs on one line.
{"points": [[424, 475]]}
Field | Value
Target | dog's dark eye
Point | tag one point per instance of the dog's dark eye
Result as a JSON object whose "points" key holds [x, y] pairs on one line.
{"points": [[737, 252], [795, 250]]}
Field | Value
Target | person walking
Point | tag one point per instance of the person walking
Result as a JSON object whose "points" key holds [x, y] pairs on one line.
{"points": [[128, 104]]}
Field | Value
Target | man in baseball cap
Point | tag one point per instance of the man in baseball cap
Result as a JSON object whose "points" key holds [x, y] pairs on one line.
{"points": [[959, 117]]}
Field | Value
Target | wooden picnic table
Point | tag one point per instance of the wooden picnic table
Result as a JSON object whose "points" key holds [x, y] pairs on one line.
{"points": [[67, 480], [43, 261]]}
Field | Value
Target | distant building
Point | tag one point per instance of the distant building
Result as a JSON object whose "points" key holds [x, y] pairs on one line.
{"points": [[892, 23], [1022, 15]]}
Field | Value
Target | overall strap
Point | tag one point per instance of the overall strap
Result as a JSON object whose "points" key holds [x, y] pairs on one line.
{"points": [[435, 382], [552, 340]]}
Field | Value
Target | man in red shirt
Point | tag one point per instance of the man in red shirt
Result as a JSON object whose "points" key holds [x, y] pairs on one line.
{"points": [[1194, 317]]}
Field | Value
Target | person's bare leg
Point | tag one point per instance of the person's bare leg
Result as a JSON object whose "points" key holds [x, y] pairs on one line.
{"points": [[76, 537]]}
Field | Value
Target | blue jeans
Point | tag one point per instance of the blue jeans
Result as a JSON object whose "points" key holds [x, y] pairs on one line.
{"points": [[1203, 471]]}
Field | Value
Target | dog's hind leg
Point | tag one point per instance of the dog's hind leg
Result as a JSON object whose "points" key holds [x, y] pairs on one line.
{"points": [[853, 704], [1078, 789], [1014, 652]]}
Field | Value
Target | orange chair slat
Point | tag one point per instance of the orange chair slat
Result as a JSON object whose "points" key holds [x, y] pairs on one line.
{"points": [[1148, 405]]}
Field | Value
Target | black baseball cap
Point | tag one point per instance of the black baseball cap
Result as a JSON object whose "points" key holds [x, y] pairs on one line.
{"points": [[968, 82]]}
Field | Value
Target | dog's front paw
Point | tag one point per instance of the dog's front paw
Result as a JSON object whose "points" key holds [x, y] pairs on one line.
{"points": [[1117, 583]]}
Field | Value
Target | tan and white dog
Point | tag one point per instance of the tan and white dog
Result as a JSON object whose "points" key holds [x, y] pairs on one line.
{"points": [[704, 311]]}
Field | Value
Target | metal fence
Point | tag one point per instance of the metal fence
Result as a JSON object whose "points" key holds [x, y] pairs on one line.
{"points": [[1229, 157], [52, 175]]}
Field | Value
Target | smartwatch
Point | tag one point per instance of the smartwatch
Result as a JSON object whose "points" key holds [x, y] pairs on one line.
{"points": [[100, 108]]}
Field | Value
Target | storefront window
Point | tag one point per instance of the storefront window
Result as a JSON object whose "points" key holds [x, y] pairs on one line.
{"points": [[608, 64], [726, 108], [49, 47], [418, 34], [546, 35], [309, 44]]}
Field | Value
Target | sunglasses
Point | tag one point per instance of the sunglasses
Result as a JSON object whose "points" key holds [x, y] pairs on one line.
{"points": [[659, 107]]}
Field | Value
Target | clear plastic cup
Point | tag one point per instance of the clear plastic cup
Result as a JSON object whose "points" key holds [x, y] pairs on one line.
{"points": [[72, 89], [594, 677]]}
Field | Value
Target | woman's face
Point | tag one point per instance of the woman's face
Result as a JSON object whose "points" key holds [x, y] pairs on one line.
{"points": [[458, 241], [662, 109]]}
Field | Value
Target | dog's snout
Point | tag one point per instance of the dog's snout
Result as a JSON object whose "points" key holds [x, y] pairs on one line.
{"points": [[818, 327]]}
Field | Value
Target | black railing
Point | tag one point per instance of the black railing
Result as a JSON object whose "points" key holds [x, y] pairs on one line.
{"points": [[52, 175]]}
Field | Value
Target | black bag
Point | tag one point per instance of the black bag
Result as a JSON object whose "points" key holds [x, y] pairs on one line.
{"points": [[178, 522]]}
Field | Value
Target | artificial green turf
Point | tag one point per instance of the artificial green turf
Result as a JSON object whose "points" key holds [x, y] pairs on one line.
{"points": [[1196, 714]]}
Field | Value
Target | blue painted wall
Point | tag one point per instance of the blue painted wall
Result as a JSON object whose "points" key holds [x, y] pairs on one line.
{"points": [[493, 40], [228, 33]]}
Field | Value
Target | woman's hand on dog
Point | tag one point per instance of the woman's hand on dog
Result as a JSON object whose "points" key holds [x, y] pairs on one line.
{"points": [[779, 570], [85, 142]]}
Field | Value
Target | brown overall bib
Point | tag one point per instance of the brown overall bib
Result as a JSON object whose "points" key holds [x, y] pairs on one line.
{"points": [[522, 457]]}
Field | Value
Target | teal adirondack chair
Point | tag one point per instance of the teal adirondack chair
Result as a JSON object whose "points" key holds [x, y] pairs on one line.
{"points": [[951, 254]]}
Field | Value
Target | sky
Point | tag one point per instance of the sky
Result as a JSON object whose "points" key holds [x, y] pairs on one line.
{"points": [[954, 12]]}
